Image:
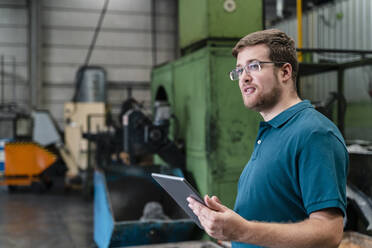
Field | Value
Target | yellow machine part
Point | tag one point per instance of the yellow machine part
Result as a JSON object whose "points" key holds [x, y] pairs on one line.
{"points": [[26, 159]]}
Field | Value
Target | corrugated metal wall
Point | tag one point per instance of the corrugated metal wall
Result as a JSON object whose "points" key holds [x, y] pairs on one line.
{"points": [[124, 46], [14, 52], [342, 25]]}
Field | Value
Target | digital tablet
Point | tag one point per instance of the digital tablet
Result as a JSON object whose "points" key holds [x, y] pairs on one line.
{"points": [[180, 189]]}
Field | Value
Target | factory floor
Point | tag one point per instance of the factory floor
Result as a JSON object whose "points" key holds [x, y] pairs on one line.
{"points": [[55, 218]]}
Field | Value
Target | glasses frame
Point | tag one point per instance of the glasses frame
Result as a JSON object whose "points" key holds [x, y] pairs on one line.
{"points": [[239, 71]]}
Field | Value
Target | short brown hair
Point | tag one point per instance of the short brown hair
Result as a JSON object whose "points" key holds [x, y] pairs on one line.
{"points": [[281, 46]]}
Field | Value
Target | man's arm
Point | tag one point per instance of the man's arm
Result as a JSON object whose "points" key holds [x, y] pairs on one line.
{"points": [[322, 229]]}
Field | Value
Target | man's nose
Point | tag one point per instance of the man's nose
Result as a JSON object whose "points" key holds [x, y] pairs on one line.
{"points": [[245, 77]]}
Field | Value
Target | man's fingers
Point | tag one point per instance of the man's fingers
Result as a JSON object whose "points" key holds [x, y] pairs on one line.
{"points": [[195, 205], [209, 216], [203, 212], [216, 199], [213, 203]]}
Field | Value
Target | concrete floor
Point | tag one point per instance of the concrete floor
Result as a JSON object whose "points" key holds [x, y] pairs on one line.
{"points": [[53, 219]]}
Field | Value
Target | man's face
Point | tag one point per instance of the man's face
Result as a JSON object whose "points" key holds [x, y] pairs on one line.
{"points": [[261, 90]]}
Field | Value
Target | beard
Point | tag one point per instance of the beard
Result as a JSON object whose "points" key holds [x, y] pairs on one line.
{"points": [[266, 101]]}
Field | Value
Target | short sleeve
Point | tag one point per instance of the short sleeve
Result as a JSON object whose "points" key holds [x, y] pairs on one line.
{"points": [[322, 168]]}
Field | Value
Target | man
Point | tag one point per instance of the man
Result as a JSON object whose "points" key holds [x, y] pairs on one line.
{"points": [[292, 191]]}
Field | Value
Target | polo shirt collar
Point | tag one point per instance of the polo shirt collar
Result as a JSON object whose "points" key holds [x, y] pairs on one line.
{"points": [[287, 114]]}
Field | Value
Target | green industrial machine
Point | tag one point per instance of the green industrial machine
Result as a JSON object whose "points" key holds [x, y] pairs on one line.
{"points": [[218, 131], [210, 117], [217, 20]]}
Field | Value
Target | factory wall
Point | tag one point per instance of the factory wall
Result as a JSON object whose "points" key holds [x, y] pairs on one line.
{"points": [[343, 25], [14, 52], [124, 47]]}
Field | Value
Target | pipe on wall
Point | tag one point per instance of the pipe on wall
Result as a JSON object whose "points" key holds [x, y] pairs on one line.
{"points": [[35, 63], [299, 28]]}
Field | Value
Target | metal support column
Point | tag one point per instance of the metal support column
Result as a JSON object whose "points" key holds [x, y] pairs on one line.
{"points": [[35, 55], [2, 79]]}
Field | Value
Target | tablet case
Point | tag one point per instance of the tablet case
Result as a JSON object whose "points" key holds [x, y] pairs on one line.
{"points": [[179, 189]]}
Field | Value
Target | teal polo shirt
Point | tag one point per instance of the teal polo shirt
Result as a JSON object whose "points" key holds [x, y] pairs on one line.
{"points": [[298, 166]]}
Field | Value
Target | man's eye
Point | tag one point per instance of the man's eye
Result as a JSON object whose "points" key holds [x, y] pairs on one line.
{"points": [[254, 67], [239, 70]]}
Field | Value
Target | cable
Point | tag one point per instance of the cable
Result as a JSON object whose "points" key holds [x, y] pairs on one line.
{"points": [[80, 73], [96, 32]]}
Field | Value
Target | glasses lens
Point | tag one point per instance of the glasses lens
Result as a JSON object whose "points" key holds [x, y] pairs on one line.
{"points": [[254, 67], [234, 75]]}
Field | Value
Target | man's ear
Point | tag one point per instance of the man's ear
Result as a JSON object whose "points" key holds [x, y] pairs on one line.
{"points": [[286, 72]]}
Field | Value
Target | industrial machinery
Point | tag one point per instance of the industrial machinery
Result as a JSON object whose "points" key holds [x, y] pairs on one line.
{"points": [[77, 121], [23, 161], [136, 138], [327, 107], [24, 136], [143, 136], [121, 196], [25, 157], [209, 117], [85, 113], [46, 133], [200, 127], [24, 165], [123, 186]]}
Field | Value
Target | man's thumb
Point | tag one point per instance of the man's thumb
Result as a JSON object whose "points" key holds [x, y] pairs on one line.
{"points": [[216, 199], [213, 203]]}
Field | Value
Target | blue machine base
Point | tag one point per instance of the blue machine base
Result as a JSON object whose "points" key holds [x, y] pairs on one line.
{"points": [[111, 233]]}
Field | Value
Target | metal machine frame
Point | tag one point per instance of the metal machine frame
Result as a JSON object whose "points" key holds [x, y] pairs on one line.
{"points": [[308, 69]]}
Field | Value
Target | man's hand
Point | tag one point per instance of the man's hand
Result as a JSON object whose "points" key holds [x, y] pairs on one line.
{"points": [[322, 229], [218, 221]]}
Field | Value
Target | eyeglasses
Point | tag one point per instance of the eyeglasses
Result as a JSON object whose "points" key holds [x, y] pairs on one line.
{"points": [[253, 66]]}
